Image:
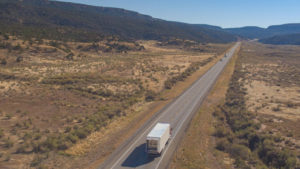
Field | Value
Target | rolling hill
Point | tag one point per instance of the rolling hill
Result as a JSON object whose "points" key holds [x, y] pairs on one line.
{"points": [[69, 21], [251, 32], [261, 33], [77, 22], [284, 29], [289, 39]]}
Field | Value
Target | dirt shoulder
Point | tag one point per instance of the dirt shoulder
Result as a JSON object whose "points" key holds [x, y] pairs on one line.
{"points": [[197, 148]]}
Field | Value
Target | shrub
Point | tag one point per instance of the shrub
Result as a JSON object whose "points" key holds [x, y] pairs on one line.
{"points": [[150, 95], [63, 144], [168, 84], [68, 129], [290, 134], [254, 141], [38, 147], [239, 151], [70, 56], [36, 161], [54, 44], [22, 148], [276, 109], [277, 139], [8, 116], [7, 158], [241, 164], [8, 143], [222, 144], [3, 62], [19, 59], [72, 137], [6, 37], [221, 132], [1, 133], [291, 105], [80, 133], [17, 47], [274, 157], [51, 143], [37, 136]]}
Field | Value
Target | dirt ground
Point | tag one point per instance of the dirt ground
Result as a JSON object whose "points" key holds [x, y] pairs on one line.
{"points": [[79, 94], [273, 90]]}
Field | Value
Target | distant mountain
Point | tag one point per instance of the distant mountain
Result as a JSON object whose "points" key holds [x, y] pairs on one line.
{"points": [[251, 32], [69, 21], [210, 27], [284, 29], [289, 39], [260, 33]]}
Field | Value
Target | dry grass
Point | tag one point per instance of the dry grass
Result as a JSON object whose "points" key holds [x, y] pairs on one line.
{"points": [[273, 100], [51, 93], [273, 87]]}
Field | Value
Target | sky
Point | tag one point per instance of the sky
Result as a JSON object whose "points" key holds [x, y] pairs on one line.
{"points": [[224, 13]]}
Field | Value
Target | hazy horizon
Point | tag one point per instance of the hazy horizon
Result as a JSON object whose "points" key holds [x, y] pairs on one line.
{"points": [[226, 14]]}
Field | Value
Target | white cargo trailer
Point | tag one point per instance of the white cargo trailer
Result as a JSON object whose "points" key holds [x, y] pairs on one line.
{"points": [[158, 138]]}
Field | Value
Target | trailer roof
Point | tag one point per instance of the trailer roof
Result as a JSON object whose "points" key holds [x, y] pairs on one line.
{"points": [[158, 130]]}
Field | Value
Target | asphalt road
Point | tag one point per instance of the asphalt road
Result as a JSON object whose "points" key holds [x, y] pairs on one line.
{"points": [[178, 113]]}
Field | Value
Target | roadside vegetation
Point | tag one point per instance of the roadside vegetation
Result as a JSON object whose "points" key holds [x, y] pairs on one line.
{"points": [[169, 83], [241, 132]]}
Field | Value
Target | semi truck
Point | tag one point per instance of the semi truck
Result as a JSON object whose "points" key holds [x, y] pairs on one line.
{"points": [[158, 138]]}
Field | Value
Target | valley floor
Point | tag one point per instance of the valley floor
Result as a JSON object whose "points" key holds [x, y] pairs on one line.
{"points": [[67, 104]]}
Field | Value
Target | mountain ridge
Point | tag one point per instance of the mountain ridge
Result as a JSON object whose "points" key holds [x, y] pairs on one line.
{"points": [[254, 32], [288, 39], [79, 22], [56, 20]]}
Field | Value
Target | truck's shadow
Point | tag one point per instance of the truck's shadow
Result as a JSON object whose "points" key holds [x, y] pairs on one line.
{"points": [[138, 157]]}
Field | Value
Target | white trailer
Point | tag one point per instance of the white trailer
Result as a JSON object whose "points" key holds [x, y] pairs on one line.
{"points": [[158, 138]]}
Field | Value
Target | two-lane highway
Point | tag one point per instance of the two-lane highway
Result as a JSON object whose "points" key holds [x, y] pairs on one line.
{"points": [[178, 113]]}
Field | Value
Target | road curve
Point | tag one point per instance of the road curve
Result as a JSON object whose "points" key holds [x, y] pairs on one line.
{"points": [[178, 113]]}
